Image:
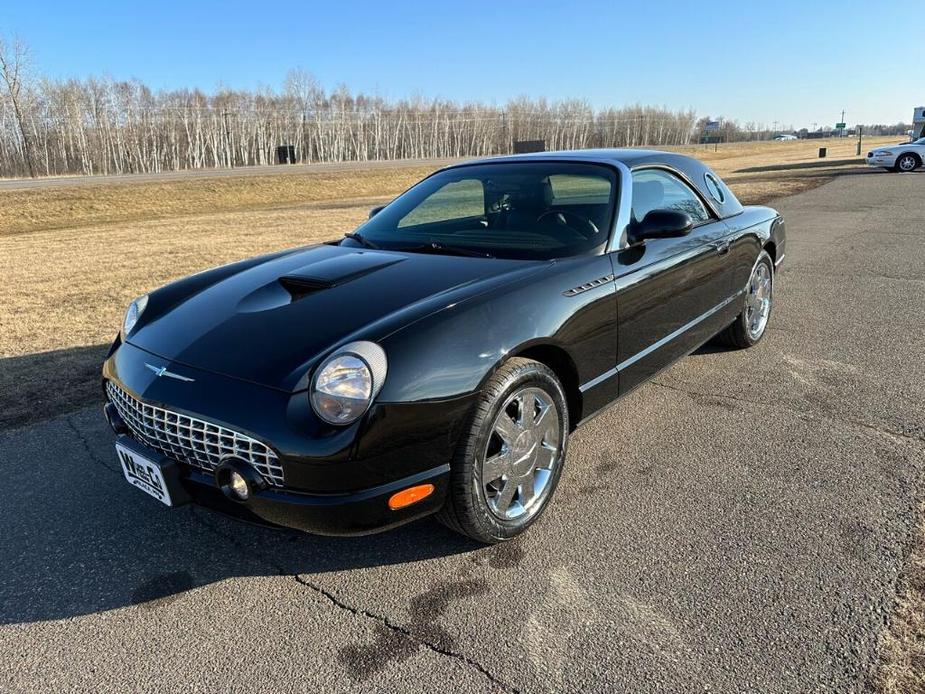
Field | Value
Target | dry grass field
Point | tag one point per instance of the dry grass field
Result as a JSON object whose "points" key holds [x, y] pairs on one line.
{"points": [[72, 257]]}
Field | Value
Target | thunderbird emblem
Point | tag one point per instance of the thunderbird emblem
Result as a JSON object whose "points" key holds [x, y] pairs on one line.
{"points": [[162, 371]]}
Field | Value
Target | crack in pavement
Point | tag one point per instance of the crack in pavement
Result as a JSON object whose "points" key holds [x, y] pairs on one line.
{"points": [[234, 542], [382, 620], [408, 634], [885, 431], [88, 448]]}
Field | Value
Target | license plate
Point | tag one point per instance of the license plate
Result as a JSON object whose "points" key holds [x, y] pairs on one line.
{"points": [[144, 474]]}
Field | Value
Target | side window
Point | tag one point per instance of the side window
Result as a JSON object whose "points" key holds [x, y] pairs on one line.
{"points": [[714, 187], [456, 200], [655, 189]]}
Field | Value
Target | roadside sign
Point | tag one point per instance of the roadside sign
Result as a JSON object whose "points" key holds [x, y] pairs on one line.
{"points": [[839, 126], [712, 125]]}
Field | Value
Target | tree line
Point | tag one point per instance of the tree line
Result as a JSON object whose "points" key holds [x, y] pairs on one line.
{"points": [[105, 126]]}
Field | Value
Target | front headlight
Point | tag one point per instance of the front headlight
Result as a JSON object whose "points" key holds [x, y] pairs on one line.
{"points": [[346, 382], [134, 312], [881, 153]]}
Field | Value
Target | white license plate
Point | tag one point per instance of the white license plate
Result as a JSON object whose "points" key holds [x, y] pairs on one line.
{"points": [[144, 474]]}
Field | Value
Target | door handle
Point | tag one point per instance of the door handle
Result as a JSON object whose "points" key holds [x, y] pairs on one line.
{"points": [[721, 247]]}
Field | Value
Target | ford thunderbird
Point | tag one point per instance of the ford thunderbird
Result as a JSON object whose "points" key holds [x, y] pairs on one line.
{"points": [[436, 359]]}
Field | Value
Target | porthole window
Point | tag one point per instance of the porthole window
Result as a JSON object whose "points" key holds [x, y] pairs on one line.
{"points": [[715, 188]]}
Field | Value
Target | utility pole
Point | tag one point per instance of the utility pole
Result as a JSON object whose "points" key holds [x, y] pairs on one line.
{"points": [[860, 130], [844, 130], [228, 147]]}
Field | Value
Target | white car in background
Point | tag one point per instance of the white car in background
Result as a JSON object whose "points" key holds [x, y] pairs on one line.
{"points": [[907, 156]]}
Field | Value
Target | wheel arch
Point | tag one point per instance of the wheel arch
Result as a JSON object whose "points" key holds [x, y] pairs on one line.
{"points": [[771, 249], [562, 364]]}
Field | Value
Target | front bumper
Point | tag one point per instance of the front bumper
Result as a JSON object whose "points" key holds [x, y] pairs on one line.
{"points": [[882, 162], [335, 481]]}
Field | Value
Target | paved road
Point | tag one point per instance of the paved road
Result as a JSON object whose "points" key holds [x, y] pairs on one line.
{"points": [[738, 525], [68, 181]]}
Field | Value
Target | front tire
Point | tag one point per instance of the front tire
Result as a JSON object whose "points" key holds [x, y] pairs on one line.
{"points": [[509, 461], [750, 325], [906, 162]]}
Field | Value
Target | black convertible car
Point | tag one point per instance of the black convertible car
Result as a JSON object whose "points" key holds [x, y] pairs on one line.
{"points": [[436, 360]]}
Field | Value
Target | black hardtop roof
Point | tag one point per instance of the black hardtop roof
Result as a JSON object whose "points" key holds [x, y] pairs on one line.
{"points": [[692, 168], [630, 157]]}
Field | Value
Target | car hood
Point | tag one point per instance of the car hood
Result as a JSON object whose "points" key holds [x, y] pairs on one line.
{"points": [[269, 322], [893, 149]]}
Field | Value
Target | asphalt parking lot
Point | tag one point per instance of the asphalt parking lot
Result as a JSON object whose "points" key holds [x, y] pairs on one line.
{"points": [[739, 524]]}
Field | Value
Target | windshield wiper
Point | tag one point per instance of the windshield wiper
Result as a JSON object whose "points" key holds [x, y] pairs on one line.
{"points": [[434, 247], [361, 240]]}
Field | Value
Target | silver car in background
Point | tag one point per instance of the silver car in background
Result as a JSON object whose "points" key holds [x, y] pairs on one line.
{"points": [[907, 156]]}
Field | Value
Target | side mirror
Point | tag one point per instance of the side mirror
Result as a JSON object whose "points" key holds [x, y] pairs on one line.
{"points": [[662, 224], [376, 210]]}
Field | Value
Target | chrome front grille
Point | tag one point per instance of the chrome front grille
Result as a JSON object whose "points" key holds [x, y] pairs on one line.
{"points": [[190, 440]]}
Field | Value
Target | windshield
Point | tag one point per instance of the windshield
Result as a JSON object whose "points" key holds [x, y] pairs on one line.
{"points": [[527, 210]]}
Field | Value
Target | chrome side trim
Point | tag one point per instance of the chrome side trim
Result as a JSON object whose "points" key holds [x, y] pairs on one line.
{"points": [[610, 373], [780, 260], [626, 363]]}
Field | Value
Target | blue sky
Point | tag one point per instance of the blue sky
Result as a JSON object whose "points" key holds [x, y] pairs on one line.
{"points": [[791, 62]]}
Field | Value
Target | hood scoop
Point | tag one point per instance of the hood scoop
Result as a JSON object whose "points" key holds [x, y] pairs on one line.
{"points": [[332, 272]]}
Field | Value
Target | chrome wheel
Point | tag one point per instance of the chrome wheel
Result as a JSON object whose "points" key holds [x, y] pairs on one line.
{"points": [[522, 452], [758, 300], [907, 163]]}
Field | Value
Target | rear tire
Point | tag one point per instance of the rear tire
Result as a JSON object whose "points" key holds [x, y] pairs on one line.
{"points": [[510, 458], [750, 325]]}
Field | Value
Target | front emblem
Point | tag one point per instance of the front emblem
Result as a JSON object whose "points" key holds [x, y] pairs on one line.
{"points": [[162, 371]]}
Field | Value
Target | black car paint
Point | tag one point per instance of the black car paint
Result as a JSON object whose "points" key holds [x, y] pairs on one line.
{"points": [[251, 334]]}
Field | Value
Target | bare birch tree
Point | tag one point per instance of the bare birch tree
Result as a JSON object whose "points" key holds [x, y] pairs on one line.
{"points": [[14, 71]]}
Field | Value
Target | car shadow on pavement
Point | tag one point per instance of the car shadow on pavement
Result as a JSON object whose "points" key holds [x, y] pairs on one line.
{"points": [[76, 539]]}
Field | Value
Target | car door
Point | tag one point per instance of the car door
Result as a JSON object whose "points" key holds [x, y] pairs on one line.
{"points": [[668, 290]]}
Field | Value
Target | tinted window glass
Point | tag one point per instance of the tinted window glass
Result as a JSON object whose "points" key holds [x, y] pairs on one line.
{"points": [[655, 189], [513, 210], [569, 189], [455, 200]]}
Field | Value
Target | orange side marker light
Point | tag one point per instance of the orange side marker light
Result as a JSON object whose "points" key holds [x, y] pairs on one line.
{"points": [[409, 496]]}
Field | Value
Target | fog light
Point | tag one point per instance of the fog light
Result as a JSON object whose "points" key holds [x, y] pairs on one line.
{"points": [[237, 479], [238, 485]]}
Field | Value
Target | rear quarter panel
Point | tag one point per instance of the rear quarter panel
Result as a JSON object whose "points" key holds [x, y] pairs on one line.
{"points": [[750, 231]]}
